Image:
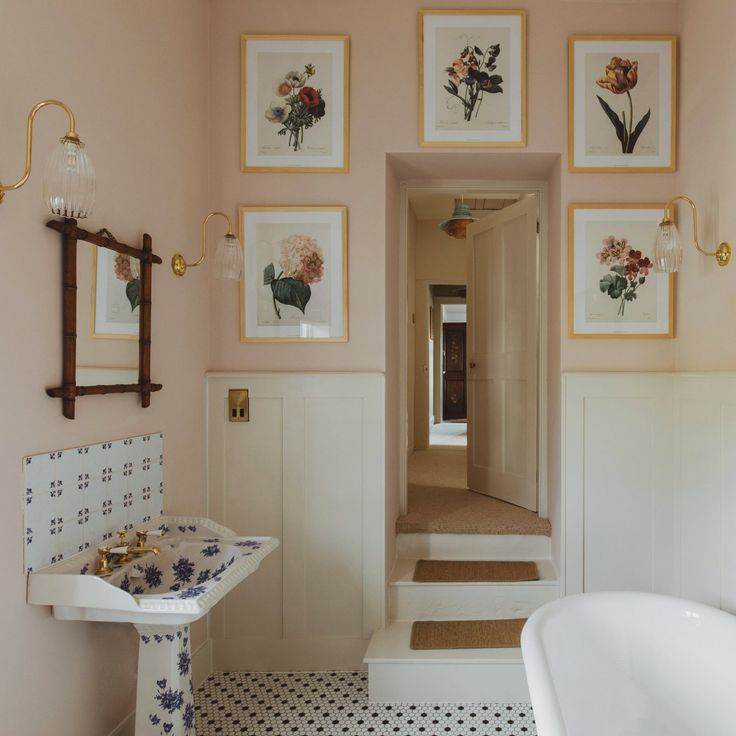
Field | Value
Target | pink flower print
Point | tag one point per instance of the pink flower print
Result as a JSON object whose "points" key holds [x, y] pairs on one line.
{"points": [[126, 268], [614, 251], [302, 259]]}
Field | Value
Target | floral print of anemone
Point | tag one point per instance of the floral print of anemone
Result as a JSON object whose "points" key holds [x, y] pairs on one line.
{"points": [[298, 107], [621, 77], [302, 263]]}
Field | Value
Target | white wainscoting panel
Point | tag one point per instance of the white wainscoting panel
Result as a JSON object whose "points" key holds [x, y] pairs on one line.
{"points": [[307, 468], [650, 484]]}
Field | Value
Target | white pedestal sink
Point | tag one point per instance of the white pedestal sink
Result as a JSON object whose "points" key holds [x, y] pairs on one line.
{"points": [[199, 563]]}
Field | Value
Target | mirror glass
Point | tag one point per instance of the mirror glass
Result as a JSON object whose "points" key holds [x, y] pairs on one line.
{"points": [[108, 312]]}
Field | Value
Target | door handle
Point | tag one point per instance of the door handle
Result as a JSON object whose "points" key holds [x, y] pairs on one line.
{"points": [[472, 364]]}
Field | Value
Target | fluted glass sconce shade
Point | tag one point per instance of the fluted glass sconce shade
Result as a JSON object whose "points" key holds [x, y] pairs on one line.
{"points": [[228, 255], [667, 248], [69, 185], [229, 258]]}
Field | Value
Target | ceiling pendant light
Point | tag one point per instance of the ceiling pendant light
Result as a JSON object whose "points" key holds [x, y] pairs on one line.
{"points": [[457, 224]]}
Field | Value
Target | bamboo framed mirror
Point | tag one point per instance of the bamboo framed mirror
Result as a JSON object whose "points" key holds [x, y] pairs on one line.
{"points": [[71, 388]]}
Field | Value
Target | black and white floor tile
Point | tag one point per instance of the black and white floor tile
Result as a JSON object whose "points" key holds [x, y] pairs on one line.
{"points": [[336, 704]]}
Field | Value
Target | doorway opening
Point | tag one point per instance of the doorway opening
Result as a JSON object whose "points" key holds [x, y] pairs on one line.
{"points": [[448, 415], [474, 345]]}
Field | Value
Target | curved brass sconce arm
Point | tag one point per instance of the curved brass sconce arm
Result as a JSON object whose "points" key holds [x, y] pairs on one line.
{"points": [[722, 253], [179, 265], [70, 135]]}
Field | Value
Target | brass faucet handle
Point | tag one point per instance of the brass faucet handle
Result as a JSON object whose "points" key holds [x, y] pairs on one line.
{"points": [[141, 535], [122, 534], [103, 564]]}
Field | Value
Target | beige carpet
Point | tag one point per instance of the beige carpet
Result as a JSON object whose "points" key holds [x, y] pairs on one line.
{"points": [[440, 502], [454, 511], [474, 571], [467, 634]]}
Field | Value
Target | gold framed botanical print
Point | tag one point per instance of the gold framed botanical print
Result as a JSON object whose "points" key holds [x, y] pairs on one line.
{"points": [[294, 103], [614, 291], [294, 283], [472, 78], [622, 107]]}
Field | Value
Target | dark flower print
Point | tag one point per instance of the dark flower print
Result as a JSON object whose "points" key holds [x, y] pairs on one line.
{"points": [[125, 583], [183, 569], [168, 727], [188, 716], [155, 720], [309, 97], [210, 550], [203, 577], [138, 590], [248, 543], [184, 662], [193, 592], [469, 77], [170, 700], [153, 576]]}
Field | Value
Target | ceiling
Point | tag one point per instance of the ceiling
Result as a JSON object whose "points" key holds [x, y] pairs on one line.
{"points": [[439, 205]]}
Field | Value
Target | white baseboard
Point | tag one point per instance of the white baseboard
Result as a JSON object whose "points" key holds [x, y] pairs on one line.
{"points": [[201, 670]]}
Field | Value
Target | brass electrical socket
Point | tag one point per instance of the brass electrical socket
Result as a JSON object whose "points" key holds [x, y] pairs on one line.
{"points": [[238, 405]]}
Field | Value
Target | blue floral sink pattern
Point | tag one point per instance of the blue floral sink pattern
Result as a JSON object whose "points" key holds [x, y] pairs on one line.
{"points": [[184, 570], [199, 562]]}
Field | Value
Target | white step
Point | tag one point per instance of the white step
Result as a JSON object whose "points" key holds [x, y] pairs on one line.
{"points": [[410, 601], [399, 674], [473, 546]]}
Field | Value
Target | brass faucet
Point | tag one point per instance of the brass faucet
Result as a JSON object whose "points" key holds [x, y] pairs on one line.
{"points": [[140, 545], [143, 550]]}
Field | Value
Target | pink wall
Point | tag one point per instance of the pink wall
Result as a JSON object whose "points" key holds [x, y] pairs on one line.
{"points": [[134, 73], [383, 117], [706, 297]]}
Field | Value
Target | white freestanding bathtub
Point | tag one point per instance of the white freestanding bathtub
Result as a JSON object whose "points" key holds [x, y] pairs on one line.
{"points": [[631, 664]]}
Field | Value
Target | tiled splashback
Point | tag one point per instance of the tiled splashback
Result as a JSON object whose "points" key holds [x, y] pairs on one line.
{"points": [[75, 499]]}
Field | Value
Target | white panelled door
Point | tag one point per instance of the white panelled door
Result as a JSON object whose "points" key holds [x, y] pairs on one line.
{"points": [[503, 328]]}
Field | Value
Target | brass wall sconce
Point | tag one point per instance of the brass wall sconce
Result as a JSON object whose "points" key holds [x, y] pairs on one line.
{"points": [[69, 185], [228, 256], [667, 245]]}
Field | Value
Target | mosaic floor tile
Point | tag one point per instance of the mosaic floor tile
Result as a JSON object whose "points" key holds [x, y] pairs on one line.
{"points": [[336, 704]]}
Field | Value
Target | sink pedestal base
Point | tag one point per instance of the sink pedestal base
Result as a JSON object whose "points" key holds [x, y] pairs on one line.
{"points": [[165, 698]]}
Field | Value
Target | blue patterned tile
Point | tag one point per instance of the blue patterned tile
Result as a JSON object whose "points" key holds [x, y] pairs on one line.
{"points": [[74, 499]]}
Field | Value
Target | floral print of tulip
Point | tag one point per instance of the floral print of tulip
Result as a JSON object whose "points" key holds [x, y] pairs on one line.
{"points": [[628, 271], [621, 77], [300, 108], [302, 263], [469, 77]]}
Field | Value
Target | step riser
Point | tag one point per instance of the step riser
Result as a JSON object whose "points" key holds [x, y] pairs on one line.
{"points": [[473, 546], [447, 682], [437, 601]]}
